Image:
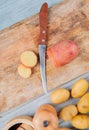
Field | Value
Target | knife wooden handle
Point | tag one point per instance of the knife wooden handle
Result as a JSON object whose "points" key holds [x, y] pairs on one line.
{"points": [[43, 23]]}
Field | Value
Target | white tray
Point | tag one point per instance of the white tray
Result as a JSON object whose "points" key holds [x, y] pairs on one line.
{"points": [[29, 108]]}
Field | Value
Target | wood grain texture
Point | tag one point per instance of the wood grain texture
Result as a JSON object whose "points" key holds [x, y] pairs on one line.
{"points": [[67, 20]]}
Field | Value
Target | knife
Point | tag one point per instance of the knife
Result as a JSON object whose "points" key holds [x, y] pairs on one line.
{"points": [[42, 44]]}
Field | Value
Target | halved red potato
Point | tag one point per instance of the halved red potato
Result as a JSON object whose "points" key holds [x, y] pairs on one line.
{"points": [[63, 52]]}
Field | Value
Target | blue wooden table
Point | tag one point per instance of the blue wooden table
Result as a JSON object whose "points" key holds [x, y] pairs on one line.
{"points": [[13, 11]]}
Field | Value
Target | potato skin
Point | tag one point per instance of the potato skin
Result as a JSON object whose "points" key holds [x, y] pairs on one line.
{"points": [[59, 96], [68, 112], [63, 52], [79, 88], [81, 121], [83, 104]]}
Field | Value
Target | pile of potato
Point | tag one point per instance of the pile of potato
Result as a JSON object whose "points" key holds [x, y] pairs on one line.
{"points": [[77, 114]]}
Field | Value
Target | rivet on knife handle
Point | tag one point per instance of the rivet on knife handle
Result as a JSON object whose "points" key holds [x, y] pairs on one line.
{"points": [[42, 44]]}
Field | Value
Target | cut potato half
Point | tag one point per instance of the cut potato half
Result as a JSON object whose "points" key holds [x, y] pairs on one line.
{"points": [[28, 58], [24, 72]]}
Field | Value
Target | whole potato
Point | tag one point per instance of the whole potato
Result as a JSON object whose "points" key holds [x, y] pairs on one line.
{"points": [[83, 104], [81, 121], [68, 112], [59, 96], [64, 129], [79, 88]]}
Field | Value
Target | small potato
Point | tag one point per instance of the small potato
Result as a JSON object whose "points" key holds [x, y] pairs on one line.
{"points": [[28, 59], [68, 112], [64, 129], [79, 88], [59, 96], [24, 72], [81, 121], [83, 104]]}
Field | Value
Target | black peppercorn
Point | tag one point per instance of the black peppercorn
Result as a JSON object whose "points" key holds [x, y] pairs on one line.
{"points": [[45, 123]]}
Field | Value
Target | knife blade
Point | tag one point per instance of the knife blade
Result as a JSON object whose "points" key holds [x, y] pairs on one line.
{"points": [[42, 44]]}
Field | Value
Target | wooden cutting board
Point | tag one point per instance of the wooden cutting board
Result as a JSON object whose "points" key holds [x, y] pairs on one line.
{"points": [[67, 20]]}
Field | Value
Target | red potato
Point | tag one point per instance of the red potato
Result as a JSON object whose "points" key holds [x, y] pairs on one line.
{"points": [[28, 59], [63, 52], [24, 72]]}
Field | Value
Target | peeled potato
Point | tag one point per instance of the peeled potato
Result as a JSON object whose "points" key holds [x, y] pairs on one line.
{"points": [[79, 88], [68, 112], [64, 129], [83, 104], [59, 96], [28, 58], [23, 71], [81, 121]]}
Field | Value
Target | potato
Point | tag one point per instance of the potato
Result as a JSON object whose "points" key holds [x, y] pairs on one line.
{"points": [[79, 88], [83, 104], [63, 52], [68, 112], [81, 121], [59, 96], [24, 72], [64, 129], [28, 59]]}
